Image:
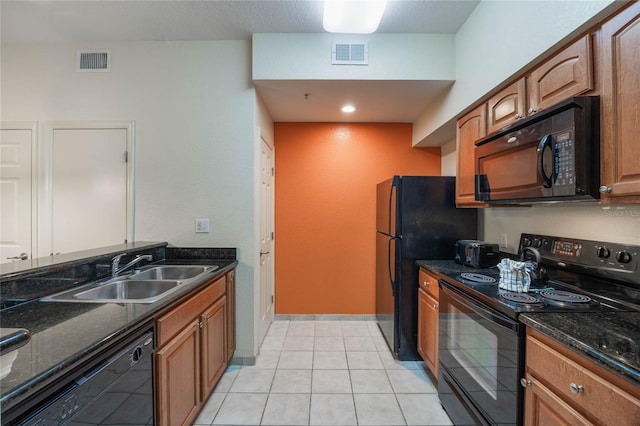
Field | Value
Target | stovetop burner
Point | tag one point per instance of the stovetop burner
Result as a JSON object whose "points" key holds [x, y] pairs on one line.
{"points": [[519, 297], [565, 296], [478, 278]]}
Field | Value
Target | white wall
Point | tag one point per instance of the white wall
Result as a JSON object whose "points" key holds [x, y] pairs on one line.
{"points": [[193, 105], [496, 41], [391, 57], [590, 221]]}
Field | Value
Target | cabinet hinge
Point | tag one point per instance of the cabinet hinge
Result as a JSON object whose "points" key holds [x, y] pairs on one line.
{"points": [[273, 171], [272, 236], [126, 156], [272, 299]]}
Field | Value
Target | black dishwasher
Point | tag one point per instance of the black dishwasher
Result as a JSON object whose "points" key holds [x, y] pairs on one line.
{"points": [[119, 390]]}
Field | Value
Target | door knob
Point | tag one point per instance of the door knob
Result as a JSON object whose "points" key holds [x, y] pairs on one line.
{"points": [[21, 256]]}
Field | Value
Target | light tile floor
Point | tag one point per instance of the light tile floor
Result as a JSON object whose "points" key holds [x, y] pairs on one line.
{"points": [[323, 373]]}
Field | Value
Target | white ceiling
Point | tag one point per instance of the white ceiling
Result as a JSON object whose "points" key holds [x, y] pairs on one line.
{"points": [[24, 21]]}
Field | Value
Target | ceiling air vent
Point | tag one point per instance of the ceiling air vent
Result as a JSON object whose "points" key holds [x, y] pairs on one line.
{"points": [[94, 61], [350, 54]]}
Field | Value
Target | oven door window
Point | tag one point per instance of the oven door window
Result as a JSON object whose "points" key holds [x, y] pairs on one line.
{"points": [[479, 350]]}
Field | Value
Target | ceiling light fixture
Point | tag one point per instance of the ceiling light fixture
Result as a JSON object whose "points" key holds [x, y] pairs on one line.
{"points": [[353, 16], [348, 108]]}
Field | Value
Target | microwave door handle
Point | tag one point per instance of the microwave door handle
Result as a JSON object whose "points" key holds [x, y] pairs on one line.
{"points": [[546, 142]]}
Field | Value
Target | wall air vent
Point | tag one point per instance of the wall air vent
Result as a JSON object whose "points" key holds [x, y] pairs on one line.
{"points": [[93, 61], [349, 53]]}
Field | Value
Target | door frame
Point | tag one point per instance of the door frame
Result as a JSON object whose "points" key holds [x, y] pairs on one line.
{"points": [[45, 181], [33, 127]]}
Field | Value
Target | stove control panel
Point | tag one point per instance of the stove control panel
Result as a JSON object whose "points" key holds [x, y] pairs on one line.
{"points": [[612, 260]]}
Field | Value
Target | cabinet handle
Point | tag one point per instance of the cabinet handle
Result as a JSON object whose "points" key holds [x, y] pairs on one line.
{"points": [[426, 283], [576, 389], [21, 256], [532, 110], [435, 306], [207, 317], [517, 117], [201, 324], [524, 382], [604, 189]]}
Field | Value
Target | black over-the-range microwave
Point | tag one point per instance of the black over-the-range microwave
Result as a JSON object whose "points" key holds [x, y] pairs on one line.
{"points": [[551, 156]]}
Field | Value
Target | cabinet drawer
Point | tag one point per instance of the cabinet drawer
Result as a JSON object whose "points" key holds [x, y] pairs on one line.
{"points": [[594, 394], [429, 283], [172, 322]]}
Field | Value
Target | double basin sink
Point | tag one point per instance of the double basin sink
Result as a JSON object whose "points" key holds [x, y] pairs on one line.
{"points": [[145, 286]]}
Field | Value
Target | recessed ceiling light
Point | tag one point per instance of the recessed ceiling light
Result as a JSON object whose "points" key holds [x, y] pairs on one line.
{"points": [[353, 16], [348, 108]]}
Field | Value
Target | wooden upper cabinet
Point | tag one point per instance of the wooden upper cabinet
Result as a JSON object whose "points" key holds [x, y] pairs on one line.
{"points": [[568, 73], [507, 106], [470, 128], [620, 103]]}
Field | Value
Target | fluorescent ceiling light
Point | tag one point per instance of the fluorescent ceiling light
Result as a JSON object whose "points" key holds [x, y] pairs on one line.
{"points": [[348, 108], [352, 16]]}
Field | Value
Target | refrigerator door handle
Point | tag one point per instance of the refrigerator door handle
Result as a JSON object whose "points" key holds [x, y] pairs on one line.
{"points": [[391, 259]]}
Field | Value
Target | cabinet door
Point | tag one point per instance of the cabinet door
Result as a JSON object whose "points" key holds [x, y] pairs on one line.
{"points": [[178, 374], [620, 153], [544, 408], [470, 128], [569, 73], [506, 107], [214, 345], [231, 314], [428, 330]]}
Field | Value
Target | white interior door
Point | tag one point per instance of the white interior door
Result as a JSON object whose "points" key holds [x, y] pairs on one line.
{"points": [[16, 208], [266, 237], [89, 188]]}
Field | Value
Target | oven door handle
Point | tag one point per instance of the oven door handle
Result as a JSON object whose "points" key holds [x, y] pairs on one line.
{"points": [[464, 300]]}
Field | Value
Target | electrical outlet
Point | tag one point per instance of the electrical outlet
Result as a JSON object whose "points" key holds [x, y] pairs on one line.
{"points": [[503, 240], [202, 226]]}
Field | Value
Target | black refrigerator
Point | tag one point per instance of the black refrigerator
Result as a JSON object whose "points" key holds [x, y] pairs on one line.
{"points": [[416, 218]]}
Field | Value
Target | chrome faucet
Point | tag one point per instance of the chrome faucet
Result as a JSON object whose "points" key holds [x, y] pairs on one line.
{"points": [[115, 263]]}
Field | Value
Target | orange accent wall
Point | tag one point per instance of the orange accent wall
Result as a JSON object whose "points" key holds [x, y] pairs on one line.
{"points": [[325, 194]]}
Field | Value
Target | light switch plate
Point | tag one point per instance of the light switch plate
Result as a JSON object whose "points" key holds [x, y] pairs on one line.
{"points": [[202, 226]]}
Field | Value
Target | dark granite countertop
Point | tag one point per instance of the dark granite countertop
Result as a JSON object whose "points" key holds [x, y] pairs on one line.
{"points": [[446, 267], [64, 335], [587, 332]]}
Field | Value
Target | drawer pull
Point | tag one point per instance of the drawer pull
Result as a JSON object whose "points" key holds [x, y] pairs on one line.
{"points": [[576, 389], [525, 382], [426, 283]]}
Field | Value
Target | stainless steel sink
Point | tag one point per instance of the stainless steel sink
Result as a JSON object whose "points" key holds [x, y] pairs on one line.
{"points": [[171, 272], [147, 286], [127, 289]]}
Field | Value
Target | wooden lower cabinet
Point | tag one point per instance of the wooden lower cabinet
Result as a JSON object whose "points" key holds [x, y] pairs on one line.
{"points": [[214, 345], [231, 314], [428, 295], [428, 330], [565, 388], [192, 354], [178, 372]]}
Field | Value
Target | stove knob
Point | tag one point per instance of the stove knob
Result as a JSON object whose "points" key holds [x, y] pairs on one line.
{"points": [[623, 257], [526, 241], [537, 242], [603, 252]]}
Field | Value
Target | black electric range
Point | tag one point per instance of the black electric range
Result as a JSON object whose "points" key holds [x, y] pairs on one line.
{"points": [[583, 276], [481, 339]]}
